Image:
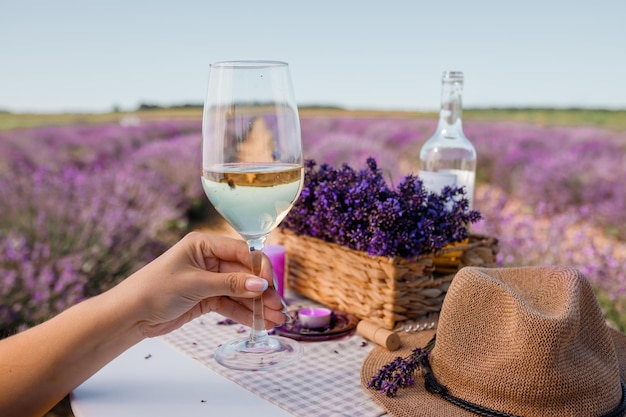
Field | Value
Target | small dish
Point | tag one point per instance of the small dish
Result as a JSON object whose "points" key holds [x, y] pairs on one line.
{"points": [[341, 324]]}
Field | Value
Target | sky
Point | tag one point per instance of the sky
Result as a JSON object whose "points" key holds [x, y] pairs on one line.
{"points": [[92, 56]]}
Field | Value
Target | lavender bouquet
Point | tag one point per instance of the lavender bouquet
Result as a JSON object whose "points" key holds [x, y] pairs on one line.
{"points": [[359, 210]]}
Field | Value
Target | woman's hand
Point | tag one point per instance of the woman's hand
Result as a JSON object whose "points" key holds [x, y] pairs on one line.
{"points": [[201, 273]]}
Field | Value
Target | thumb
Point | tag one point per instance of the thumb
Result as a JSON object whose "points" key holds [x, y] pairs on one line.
{"points": [[240, 284], [256, 284]]}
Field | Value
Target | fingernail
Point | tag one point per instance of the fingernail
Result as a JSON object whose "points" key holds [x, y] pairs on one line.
{"points": [[275, 281], [256, 284]]}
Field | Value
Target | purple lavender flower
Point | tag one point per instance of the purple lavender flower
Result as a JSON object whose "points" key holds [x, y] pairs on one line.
{"points": [[399, 372], [357, 209]]}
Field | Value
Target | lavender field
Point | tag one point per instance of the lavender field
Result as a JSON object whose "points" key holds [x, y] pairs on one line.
{"points": [[84, 205]]}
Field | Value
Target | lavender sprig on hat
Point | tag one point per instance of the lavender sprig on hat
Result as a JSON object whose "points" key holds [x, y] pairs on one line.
{"points": [[399, 372], [358, 210]]}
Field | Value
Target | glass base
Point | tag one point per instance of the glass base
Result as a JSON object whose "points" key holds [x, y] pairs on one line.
{"points": [[275, 352]]}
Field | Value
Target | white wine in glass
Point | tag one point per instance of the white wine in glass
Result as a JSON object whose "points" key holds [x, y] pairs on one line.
{"points": [[252, 173]]}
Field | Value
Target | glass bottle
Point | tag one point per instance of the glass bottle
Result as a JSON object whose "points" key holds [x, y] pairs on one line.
{"points": [[448, 157]]}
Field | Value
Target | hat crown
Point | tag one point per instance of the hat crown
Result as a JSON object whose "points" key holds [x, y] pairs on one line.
{"points": [[526, 341]]}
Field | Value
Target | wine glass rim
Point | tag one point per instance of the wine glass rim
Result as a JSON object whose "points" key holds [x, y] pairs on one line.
{"points": [[249, 64]]}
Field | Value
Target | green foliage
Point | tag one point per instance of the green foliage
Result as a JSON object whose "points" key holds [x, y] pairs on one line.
{"points": [[612, 119], [614, 310]]}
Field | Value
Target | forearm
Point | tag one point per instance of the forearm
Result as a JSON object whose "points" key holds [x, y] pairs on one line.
{"points": [[41, 365]]}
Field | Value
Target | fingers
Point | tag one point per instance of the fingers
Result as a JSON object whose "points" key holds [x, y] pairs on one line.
{"points": [[235, 284], [242, 288], [218, 253], [271, 300], [242, 313], [220, 247], [256, 284], [232, 263], [226, 279], [223, 254]]}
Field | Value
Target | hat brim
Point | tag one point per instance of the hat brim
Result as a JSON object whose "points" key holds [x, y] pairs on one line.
{"points": [[416, 401]]}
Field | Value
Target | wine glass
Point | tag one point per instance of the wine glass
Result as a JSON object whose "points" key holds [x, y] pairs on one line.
{"points": [[252, 173]]}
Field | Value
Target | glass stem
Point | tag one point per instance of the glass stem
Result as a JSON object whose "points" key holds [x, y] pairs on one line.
{"points": [[258, 333]]}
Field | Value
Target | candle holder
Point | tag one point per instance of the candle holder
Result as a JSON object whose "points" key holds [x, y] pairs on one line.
{"points": [[340, 324]]}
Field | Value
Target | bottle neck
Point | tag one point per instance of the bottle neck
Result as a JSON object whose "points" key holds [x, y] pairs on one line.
{"points": [[450, 114]]}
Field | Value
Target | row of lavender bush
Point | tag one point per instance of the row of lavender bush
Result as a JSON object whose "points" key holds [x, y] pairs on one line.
{"points": [[83, 206]]}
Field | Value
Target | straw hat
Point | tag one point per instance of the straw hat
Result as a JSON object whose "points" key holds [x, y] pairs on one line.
{"points": [[526, 341]]}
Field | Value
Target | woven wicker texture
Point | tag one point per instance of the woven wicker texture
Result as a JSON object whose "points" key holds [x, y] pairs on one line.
{"points": [[383, 290], [478, 250], [380, 289], [526, 341]]}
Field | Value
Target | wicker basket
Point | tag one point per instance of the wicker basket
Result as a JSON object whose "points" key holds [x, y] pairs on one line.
{"points": [[478, 250], [384, 290]]}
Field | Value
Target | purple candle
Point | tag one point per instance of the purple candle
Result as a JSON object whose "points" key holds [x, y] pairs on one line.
{"points": [[314, 317], [276, 254]]}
